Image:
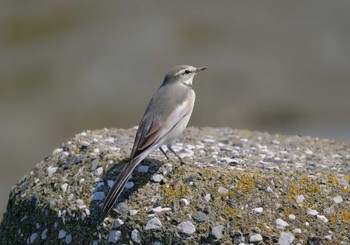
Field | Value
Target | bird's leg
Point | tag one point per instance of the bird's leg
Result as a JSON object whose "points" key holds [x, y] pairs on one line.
{"points": [[172, 150], [161, 149]]}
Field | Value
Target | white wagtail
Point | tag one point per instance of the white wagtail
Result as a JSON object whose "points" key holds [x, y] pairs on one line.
{"points": [[166, 117]]}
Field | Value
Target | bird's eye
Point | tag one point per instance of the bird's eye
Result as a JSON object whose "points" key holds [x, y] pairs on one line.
{"points": [[187, 72]]}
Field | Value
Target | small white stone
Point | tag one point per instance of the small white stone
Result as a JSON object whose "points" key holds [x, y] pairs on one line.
{"points": [[300, 198], [81, 181], [114, 236], [258, 210], [184, 201], [207, 197], [81, 204], [133, 212], [312, 212], [68, 239], [56, 151], [255, 238], [70, 197], [61, 234], [136, 236], [222, 190], [153, 223], [160, 209], [329, 237], [98, 171], [322, 218], [143, 169], [338, 199], [87, 211], [268, 189], [33, 237], [291, 217], [308, 152], [96, 150], [285, 238], [129, 185], [187, 227], [64, 187], [297, 230], [98, 196], [281, 224], [51, 170], [157, 178], [118, 223]]}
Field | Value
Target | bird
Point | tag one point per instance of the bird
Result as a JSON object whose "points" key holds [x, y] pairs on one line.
{"points": [[165, 118]]}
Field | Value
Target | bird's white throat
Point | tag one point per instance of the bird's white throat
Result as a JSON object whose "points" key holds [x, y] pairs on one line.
{"points": [[188, 82]]}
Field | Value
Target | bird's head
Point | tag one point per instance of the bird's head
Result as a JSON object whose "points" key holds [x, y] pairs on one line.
{"points": [[183, 74]]}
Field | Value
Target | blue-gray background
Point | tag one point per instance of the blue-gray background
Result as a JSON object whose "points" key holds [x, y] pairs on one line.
{"points": [[67, 66]]}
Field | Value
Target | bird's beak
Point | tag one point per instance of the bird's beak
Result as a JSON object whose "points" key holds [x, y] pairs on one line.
{"points": [[200, 69]]}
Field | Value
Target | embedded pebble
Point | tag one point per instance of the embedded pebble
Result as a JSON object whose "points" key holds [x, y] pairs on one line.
{"points": [[258, 210], [338, 199], [56, 151], [118, 223], [98, 171], [68, 239], [285, 238], [51, 170], [129, 185], [207, 197], [143, 169], [110, 183], [44, 234], [64, 187], [33, 237], [297, 230], [255, 238], [222, 190], [153, 223], [136, 236], [322, 218], [114, 236], [291, 217], [122, 208], [217, 231], [300, 198], [187, 227], [200, 216], [160, 209], [281, 223], [61, 234], [98, 196], [157, 178], [80, 204], [329, 237], [312, 212], [133, 212], [184, 201]]}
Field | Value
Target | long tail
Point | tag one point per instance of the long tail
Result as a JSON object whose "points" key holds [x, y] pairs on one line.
{"points": [[119, 184]]}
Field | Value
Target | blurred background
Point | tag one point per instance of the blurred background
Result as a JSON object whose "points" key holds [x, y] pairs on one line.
{"points": [[67, 66]]}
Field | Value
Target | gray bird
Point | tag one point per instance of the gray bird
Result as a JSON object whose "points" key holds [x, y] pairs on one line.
{"points": [[166, 117]]}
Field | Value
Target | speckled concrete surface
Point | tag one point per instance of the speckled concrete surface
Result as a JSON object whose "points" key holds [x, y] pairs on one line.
{"points": [[238, 187]]}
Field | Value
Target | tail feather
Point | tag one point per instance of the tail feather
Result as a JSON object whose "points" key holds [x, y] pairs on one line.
{"points": [[119, 184]]}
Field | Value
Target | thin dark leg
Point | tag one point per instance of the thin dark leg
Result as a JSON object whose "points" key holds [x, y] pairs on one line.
{"points": [[172, 150], [161, 149]]}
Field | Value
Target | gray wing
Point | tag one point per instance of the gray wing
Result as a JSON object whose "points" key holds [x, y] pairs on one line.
{"points": [[157, 123]]}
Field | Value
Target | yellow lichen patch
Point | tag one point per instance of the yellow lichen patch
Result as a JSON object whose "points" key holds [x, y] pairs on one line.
{"points": [[230, 212], [345, 189], [333, 180], [345, 215], [332, 220], [172, 193], [246, 184], [303, 185]]}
